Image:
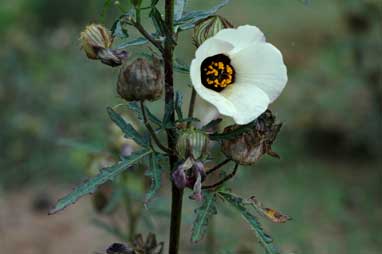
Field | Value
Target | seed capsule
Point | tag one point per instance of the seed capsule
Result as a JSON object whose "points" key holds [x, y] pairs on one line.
{"points": [[208, 27], [250, 146], [141, 81]]}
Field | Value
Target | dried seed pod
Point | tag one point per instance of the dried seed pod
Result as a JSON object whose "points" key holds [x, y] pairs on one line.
{"points": [[208, 27], [96, 41], [141, 81], [250, 146], [192, 143]]}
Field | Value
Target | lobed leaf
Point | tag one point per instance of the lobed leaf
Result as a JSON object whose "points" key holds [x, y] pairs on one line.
{"points": [[106, 174], [126, 128], [269, 213], [239, 204], [155, 172], [203, 213]]}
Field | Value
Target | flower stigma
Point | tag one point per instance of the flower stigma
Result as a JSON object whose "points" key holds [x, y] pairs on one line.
{"points": [[217, 72]]}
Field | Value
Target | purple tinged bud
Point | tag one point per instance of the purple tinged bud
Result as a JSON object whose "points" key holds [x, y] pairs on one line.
{"points": [[179, 175]]}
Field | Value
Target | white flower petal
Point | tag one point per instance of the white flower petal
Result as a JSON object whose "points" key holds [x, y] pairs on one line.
{"points": [[248, 100], [223, 105], [241, 37], [261, 64], [213, 47]]}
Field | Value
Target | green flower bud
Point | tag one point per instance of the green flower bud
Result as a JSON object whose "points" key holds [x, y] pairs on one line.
{"points": [[141, 81], [250, 146], [208, 27], [96, 42], [192, 143]]}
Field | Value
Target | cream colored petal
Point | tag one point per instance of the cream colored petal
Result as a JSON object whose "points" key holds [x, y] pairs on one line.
{"points": [[241, 37], [248, 101], [261, 65], [223, 105], [212, 47]]}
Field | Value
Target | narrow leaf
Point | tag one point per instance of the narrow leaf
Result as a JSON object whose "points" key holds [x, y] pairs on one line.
{"points": [[155, 172], [203, 213], [126, 128], [181, 67], [212, 124], [134, 42], [178, 105], [233, 134], [189, 19], [179, 8], [239, 204], [106, 174], [138, 112]]}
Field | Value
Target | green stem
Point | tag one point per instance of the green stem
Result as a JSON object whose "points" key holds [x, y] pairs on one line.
{"points": [[177, 194], [192, 106]]}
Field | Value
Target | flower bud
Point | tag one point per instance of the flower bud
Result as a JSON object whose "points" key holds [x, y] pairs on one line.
{"points": [[192, 143], [96, 42], [141, 81], [250, 146], [208, 27]]}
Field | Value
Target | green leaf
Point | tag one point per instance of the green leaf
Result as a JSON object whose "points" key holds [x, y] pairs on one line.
{"points": [[155, 173], [212, 124], [189, 19], [134, 42], [106, 174], [154, 2], [138, 112], [126, 128], [239, 204], [179, 8], [158, 21], [203, 213], [235, 133]]}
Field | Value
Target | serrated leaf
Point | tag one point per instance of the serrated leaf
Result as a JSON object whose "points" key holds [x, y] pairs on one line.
{"points": [[155, 173], [126, 128], [179, 8], [91, 185], [239, 204], [189, 19], [203, 213], [138, 112]]}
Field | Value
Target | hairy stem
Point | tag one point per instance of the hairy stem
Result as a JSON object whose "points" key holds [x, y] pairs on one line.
{"points": [[221, 164], [192, 106], [232, 174], [177, 194]]}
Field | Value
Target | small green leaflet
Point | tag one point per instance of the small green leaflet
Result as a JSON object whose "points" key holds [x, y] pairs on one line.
{"points": [[127, 128], [155, 172], [239, 204], [106, 174], [203, 213], [189, 19]]}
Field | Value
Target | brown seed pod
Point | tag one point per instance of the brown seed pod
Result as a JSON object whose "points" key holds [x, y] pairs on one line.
{"points": [[141, 80]]}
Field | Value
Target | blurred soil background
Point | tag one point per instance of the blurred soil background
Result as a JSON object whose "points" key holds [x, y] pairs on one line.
{"points": [[52, 112]]}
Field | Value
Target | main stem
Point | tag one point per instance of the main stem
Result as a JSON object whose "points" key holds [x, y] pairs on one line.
{"points": [[177, 194]]}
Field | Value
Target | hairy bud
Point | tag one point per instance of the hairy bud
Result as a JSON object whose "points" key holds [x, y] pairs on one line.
{"points": [[250, 146], [96, 41], [192, 143], [208, 27], [141, 81]]}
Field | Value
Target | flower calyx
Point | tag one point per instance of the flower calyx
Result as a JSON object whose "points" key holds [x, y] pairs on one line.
{"points": [[96, 42], [192, 143], [250, 146], [141, 80]]}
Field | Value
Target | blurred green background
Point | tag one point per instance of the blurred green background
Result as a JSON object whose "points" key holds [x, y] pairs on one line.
{"points": [[53, 99]]}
